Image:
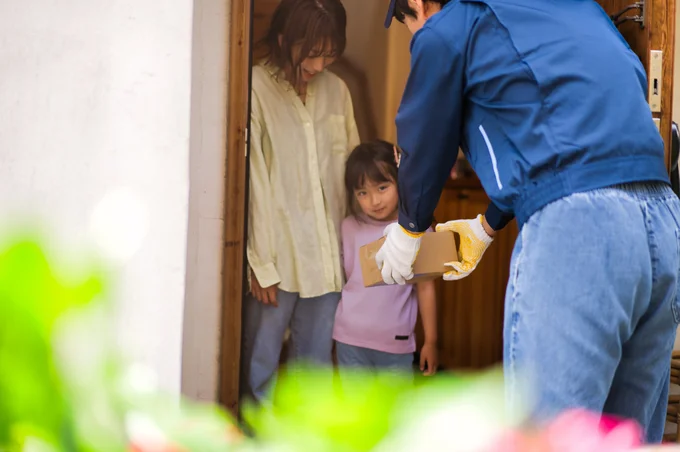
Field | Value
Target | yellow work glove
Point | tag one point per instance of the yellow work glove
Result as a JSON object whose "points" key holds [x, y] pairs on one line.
{"points": [[473, 242]]}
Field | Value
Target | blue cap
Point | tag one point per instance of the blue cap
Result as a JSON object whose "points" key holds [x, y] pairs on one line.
{"points": [[390, 14]]}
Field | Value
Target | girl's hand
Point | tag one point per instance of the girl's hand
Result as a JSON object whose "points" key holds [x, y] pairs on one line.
{"points": [[266, 295], [430, 356]]}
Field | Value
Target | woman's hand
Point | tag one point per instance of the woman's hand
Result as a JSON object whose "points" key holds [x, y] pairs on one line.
{"points": [[266, 295], [429, 356]]}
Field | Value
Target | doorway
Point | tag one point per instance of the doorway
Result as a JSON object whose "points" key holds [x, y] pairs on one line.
{"points": [[375, 68]]}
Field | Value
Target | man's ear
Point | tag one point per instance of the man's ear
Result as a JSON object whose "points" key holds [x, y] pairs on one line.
{"points": [[418, 6], [429, 8]]}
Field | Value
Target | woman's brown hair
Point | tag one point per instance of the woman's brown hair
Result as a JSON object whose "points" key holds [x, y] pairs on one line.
{"points": [[374, 161], [317, 26]]}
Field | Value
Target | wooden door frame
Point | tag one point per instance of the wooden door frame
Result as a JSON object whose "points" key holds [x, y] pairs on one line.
{"points": [[235, 196], [660, 18]]}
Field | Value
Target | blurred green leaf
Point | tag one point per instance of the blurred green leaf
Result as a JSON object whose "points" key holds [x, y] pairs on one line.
{"points": [[88, 399], [313, 411], [32, 402]]}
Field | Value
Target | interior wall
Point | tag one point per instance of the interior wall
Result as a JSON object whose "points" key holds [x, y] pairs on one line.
{"points": [[399, 66], [203, 299], [383, 58], [95, 95], [367, 52]]}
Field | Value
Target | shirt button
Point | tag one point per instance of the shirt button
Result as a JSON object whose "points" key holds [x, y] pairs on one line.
{"points": [[411, 225]]}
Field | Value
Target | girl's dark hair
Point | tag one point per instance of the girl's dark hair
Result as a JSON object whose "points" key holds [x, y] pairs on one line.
{"points": [[403, 9], [317, 26], [374, 161]]}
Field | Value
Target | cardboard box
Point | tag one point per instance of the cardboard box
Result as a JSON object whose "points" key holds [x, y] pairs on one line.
{"points": [[436, 249]]}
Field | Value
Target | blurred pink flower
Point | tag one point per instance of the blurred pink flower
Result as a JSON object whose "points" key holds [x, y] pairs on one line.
{"points": [[583, 431], [577, 431]]}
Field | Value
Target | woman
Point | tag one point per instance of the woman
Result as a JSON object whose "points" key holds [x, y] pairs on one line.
{"points": [[301, 130]]}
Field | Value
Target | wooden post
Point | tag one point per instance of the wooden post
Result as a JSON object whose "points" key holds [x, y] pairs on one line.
{"points": [[238, 114]]}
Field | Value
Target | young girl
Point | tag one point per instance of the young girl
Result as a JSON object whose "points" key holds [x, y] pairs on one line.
{"points": [[374, 326], [301, 130]]}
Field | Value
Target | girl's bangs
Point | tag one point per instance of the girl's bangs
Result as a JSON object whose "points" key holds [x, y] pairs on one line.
{"points": [[377, 173]]}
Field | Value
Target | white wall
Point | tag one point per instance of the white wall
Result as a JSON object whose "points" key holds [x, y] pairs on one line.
{"points": [[202, 311], [95, 95]]}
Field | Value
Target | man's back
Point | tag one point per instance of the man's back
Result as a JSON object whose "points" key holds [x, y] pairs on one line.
{"points": [[549, 104], [554, 99]]}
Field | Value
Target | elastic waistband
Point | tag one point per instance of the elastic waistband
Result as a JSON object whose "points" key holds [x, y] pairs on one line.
{"points": [[630, 172], [651, 188]]}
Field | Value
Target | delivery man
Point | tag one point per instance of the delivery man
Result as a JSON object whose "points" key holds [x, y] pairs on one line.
{"points": [[548, 103]]}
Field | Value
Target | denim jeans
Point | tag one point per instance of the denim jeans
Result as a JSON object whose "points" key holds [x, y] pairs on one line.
{"points": [[351, 357], [355, 364], [592, 307], [264, 326]]}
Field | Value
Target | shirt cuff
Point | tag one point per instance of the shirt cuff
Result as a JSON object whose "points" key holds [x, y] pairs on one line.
{"points": [[496, 218], [413, 226], [266, 275]]}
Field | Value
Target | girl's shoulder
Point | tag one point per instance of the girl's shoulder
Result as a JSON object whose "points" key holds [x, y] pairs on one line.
{"points": [[365, 231], [349, 225]]}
